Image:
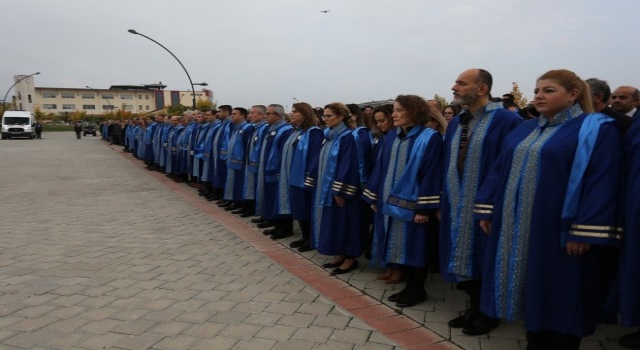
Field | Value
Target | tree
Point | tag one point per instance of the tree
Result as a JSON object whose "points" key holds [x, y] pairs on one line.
{"points": [[177, 109], [518, 98], [443, 101], [39, 114], [78, 116], [204, 105]]}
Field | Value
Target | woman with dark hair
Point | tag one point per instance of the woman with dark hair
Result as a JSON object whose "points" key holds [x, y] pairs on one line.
{"points": [[299, 156], [550, 207], [404, 191], [337, 204], [450, 111]]}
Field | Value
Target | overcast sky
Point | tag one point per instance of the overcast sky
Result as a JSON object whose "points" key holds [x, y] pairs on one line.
{"points": [[272, 51]]}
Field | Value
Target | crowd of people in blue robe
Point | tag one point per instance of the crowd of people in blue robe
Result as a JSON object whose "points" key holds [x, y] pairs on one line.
{"points": [[530, 211]]}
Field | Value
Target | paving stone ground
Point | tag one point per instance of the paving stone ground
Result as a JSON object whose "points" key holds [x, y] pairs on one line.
{"points": [[98, 253]]}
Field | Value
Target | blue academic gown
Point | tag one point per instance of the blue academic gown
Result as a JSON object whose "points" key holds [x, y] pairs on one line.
{"points": [[183, 148], [164, 146], [267, 203], [337, 230], [462, 242], [207, 151], [236, 158], [528, 272], [157, 143], [408, 161], [197, 148], [173, 146], [149, 153], [254, 147], [304, 158], [218, 171], [629, 278]]}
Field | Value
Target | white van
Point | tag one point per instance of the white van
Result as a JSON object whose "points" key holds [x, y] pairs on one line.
{"points": [[18, 124]]}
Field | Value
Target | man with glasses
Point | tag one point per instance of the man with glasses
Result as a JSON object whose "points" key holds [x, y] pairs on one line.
{"points": [[269, 171]]}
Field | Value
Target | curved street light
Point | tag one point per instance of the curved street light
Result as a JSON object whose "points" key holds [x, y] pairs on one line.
{"points": [[4, 100], [193, 91]]}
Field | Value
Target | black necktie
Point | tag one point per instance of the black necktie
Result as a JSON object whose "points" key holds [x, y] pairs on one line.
{"points": [[464, 140]]}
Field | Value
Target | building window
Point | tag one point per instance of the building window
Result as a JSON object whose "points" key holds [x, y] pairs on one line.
{"points": [[126, 97], [107, 96], [49, 106], [108, 107], [88, 106], [19, 96], [139, 97], [88, 96], [49, 95], [128, 107], [29, 97], [146, 107], [139, 107], [68, 106], [21, 106], [146, 97], [67, 95]]}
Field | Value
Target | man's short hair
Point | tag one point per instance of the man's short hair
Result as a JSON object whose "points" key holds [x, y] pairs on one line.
{"points": [[226, 108], [485, 77], [600, 87]]}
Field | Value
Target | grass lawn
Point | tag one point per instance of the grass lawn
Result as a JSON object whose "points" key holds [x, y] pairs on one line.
{"points": [[46, 128]]}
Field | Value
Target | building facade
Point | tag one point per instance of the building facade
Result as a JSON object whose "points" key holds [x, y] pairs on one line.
{"points": [[133, 98]]}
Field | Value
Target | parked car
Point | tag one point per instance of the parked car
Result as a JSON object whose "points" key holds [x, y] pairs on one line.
{"points": [[89, 128]]}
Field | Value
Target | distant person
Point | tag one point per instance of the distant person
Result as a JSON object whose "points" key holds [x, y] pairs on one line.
{"points": [[38, 130], [624, 100], [78, 129]]}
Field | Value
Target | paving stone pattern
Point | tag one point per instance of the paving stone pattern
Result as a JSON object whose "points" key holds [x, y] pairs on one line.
{"points": [[98, 253]]}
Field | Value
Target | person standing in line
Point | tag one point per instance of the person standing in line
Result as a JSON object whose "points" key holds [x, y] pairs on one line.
{"points": [[257, 115], [300, 154], [267, 203], [472, 143], [629, 284], [236, 158], [337, 204], [404, 192], [551, 208]]}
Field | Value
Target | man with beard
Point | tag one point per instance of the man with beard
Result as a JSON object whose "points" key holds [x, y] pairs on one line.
{"points": [[472, 143]]}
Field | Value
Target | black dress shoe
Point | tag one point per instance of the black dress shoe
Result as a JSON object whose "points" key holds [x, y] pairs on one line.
{"points": [[305, 247], [265, 224], [631, 340], [225, 204], [246, 214], [271, 231], [257, 220], [280, 235], [239, 211], [483, 324], [411, 299], [330, 265], [232, 207], [464, 320], [340, 271], [298, 243], [220, 201], [398, 296]]}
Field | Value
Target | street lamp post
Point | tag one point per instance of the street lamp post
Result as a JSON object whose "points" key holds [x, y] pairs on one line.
{"points": [[11, 87], [193, 91]]}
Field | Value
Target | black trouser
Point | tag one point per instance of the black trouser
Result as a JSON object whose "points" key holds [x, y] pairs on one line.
{"points": [[549, 340], [305, 227], [78, 134]]}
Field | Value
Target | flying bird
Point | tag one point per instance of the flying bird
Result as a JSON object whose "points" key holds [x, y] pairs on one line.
{"points": [[325, 11]]}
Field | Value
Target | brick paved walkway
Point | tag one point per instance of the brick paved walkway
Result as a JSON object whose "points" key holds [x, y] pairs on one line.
{"points": [[98, 253]]}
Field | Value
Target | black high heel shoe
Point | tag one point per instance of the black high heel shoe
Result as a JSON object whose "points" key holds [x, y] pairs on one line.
{"points": [[340, 271]]}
